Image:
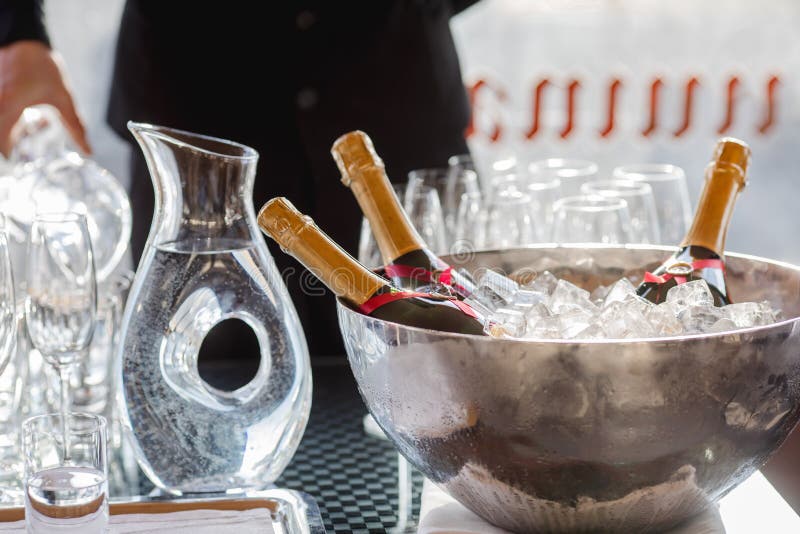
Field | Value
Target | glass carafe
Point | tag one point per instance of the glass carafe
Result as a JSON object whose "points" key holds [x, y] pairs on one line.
{"points": [[206, 262]]}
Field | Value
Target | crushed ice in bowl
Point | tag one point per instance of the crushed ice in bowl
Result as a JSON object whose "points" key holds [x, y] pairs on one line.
{"points": [[546, 307]]}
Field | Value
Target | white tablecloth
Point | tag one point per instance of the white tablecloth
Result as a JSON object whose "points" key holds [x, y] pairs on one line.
{"points": [[256, 521], [752, 508]]}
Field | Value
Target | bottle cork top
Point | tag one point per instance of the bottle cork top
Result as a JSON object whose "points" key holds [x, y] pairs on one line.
{"points": [[354, 152], [282, 221], [734, 152]]}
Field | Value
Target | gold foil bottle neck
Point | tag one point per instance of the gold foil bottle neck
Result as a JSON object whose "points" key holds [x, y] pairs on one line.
{"points": [[726, 176], [282, 221], [732, 152], [354, 153], [299, 236], [363, 172]]}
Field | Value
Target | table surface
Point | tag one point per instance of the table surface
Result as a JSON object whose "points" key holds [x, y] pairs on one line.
{"points": [[352, 476]]}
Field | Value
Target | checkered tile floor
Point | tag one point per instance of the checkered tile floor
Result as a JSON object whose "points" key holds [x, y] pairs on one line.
{"points": [[352, 476]]}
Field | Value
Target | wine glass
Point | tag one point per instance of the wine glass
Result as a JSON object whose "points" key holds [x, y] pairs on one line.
{"points": [[424, 209], [61, 295], [572, 172], [591, 219], [509, 220], [641, 205], [670, 192], [543, 193]]}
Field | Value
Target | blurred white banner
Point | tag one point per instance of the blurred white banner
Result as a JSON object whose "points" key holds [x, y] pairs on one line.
{"points": [[628, 81]]}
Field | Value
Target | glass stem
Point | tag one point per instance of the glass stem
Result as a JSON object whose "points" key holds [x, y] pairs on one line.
{"points": [[63, 374]]}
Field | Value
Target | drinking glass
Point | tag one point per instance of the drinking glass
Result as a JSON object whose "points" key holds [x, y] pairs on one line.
{"points": [[9, 376], [500, 183], [641, 205], [435, 178], [8, 313], [572, 172], [66, 481], [91, 383], [450, 183], [673, 208], [509, 220], [422, 205], [591, 219], [543, 194], [462, 162], [62, 294], [470, 225]]}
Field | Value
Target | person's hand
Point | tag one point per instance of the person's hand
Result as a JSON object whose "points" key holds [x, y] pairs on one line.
{"points": [[31, 74]]}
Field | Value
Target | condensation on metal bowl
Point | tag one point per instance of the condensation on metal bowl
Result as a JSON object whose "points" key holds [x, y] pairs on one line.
{"points": [[612, 436]]}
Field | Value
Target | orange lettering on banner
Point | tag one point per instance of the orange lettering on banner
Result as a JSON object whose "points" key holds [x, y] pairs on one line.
{"points": [[473, 91], [733, 85], [572, 88], [769, 116], [614, 99], [536, 106], [688, 106], [655, 92], [613, 89]]}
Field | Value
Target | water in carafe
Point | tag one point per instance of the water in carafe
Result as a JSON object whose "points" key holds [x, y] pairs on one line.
{"points": [[204, 263]]}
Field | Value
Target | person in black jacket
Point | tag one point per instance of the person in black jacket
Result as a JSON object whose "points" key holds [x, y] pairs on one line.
{"points": [[286, 78]]}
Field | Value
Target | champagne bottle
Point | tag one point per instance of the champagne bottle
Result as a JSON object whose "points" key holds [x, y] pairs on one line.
{"points": [[355, 284], [407, 259], [701, 252]]}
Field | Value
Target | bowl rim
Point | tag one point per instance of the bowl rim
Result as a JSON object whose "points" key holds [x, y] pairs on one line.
{"points": [[344, 308]]}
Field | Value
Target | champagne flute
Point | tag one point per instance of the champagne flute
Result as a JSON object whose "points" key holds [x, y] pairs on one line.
{"points": [[8, 315], [61, 295]]}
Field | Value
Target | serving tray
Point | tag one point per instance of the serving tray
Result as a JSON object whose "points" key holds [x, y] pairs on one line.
{"points": [[292, 512]]}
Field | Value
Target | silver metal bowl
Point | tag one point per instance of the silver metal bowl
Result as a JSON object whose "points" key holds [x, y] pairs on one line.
{"points": [[562, 436]]}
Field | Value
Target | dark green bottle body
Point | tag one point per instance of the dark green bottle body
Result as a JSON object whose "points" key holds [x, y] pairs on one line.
{"points": [[676, 268], [423, 263]]}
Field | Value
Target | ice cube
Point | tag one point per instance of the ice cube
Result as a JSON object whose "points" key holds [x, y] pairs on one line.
{"points": [[593, 331], [524, 299], [537, 312], [479, 306], [722, 325], [502, 285], [663, 321], [544, 328], [747, 314], [567, 296], [620, 320], [513, 322], [641, 304], [544, 283], [574, 321], [599, 294], [619, 292], [694, 293], [699, 319], [486, 298]]}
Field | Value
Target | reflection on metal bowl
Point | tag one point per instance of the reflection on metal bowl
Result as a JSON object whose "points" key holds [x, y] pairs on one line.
{"points": [[562, 436]]}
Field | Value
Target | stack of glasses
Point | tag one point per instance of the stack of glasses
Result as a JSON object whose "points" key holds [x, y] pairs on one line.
{"points": [[64, 229], [551, 201]]}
